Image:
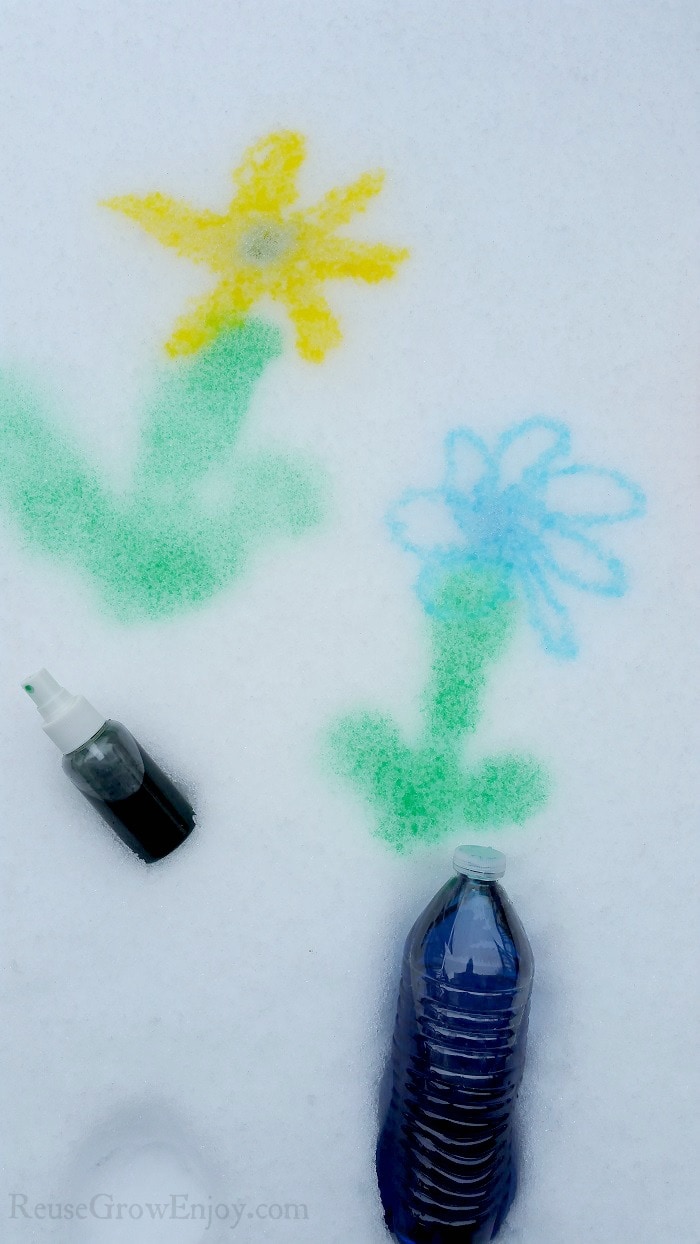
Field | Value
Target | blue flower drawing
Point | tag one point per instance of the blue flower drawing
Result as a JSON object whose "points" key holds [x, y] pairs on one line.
{"points": [[526, 511]]}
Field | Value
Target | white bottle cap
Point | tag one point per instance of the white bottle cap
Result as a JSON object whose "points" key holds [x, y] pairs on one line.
{"points": [[481, 863], [68, 719]]}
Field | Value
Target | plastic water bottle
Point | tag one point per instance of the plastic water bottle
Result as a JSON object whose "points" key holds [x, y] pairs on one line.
{"points": [[445, 1160]]}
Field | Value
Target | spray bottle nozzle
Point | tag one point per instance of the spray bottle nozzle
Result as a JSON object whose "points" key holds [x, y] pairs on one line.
{"points": [[48, 695], [68, 719]]}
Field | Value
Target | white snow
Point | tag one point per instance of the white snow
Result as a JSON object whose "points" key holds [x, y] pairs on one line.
{"points": [[216, 1025]]}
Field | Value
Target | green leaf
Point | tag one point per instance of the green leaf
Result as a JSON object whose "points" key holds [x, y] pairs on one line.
{"points": [[504, 791]]}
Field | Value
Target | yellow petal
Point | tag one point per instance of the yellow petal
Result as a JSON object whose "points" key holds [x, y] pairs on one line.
{"points": [[364, 261], [266, 179], [340, 205], [189, 231], [317, 329], [222, 308]]}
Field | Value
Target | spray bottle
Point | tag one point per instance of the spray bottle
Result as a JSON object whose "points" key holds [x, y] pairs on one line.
{"points": [[113, 772]]}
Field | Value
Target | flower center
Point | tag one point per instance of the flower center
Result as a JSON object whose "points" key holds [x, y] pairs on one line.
{"points": [[265, 242], [498, 527]]}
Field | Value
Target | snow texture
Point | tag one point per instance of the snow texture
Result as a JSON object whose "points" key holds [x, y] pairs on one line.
{"points": [[215, 1026]]}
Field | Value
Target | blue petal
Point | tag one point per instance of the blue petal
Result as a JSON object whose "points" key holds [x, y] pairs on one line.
{"points": [[591, 495], [421, 522], [525, 451], [578, 560], [547, 615], [468, 461]]}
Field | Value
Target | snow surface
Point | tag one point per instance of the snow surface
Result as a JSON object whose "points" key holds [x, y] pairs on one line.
{"points": [[216, 1025]]}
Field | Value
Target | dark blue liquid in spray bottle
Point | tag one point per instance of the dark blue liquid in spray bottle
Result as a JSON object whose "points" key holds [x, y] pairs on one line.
{"points": [[445, 1158], [122, 782]]}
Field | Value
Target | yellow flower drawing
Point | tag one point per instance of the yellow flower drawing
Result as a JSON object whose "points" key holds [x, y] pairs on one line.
{"points": [[263, 245]]}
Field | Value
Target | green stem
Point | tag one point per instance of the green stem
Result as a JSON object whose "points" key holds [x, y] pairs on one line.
{"points": [[421, 793]]}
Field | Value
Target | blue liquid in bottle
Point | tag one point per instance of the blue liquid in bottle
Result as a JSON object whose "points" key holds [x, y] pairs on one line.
{"points": [[445, 1158]]}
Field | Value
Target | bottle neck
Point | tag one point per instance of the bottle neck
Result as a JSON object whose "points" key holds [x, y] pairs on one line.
{"points": [[479, 883]]}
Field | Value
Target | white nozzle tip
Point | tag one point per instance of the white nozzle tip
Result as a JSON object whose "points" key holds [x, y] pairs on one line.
{"points": [[481, 863], [42, 687]]}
